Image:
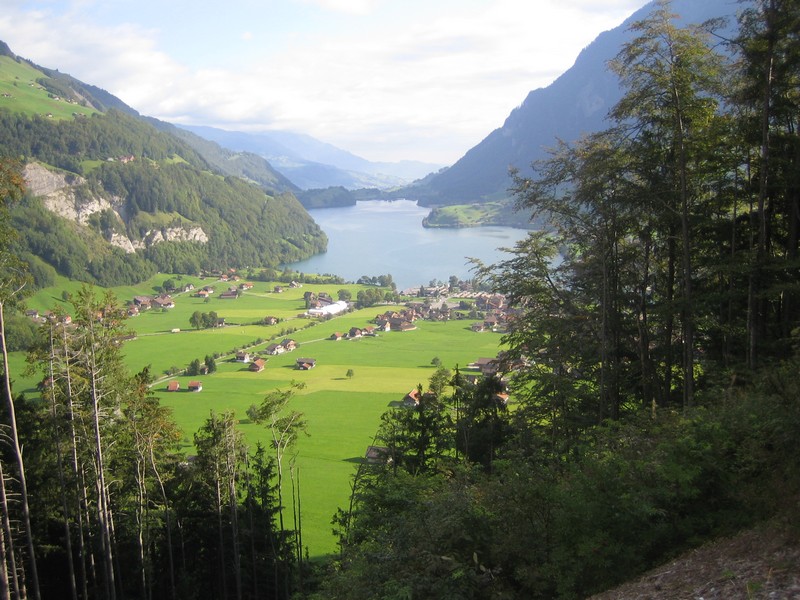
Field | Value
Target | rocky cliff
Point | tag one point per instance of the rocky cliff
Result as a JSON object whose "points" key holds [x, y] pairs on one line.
{"points": [[67, 196]]}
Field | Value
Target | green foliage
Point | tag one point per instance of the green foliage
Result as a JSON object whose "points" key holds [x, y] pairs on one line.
{"points": [[20, 332], [327, 198], [244, 225]]}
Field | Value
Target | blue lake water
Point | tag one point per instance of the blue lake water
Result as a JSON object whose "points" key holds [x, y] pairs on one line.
{"points": [[379, 237]]}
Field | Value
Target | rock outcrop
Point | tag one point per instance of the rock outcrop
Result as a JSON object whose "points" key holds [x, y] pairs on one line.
{"points": [[67, 196]]}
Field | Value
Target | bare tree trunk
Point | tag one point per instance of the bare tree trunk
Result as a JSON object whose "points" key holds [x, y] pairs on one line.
{"points": [[222, 561], [17, 451], [60, 469], [80, 488], [5, 593], [231, 460], [167, 523], [11, 553], [755, 312], [103, 508]]}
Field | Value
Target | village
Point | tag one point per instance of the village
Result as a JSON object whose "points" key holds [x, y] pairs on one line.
{"points": [[487, 313]]}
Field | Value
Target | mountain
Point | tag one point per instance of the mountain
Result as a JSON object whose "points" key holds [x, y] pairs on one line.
{"points": [[114, 197], [310, 163], [574, 104]]}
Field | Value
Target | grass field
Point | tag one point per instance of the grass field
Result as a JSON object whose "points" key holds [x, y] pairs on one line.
{"points": [[20, 93], [343, 412]]}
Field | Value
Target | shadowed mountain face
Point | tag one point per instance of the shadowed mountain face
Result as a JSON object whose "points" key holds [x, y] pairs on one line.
{"points": [[575, 104]]}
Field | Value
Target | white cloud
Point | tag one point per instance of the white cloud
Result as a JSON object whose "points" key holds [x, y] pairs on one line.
{"points": [[426, 84], [353, 7]]}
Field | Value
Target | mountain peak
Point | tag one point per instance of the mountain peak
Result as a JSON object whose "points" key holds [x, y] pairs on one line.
{"points": [[575, 104]]}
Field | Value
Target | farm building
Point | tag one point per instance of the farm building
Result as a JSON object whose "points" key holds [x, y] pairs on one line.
{"points": [[305, 364]]}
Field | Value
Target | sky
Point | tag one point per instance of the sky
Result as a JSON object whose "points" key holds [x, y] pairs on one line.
{"points": [[387, 80]]}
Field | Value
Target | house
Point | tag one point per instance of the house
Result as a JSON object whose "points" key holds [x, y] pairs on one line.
{"points": [[270, 320], [163, 301], [229, 294], [173, 386], [306, 364], [355, 332], [202, 294], [336, 336], [328, 309], [478, 327], [143, 302], [411, 398], [243, 356], [278, 289], [501, 398], [490, 322], [289, 344], [487, 366], [245, 286], [257, 365], [376, 455], [369, 330], [195, 386], [402, 325], [133, 311], [275, 349]]}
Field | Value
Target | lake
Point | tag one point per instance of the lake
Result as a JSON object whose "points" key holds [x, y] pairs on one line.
{"points": [[381, 237]]}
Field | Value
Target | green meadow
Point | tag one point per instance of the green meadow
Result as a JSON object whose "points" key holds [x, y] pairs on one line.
{"points": [[20, 93], [343, 413]]}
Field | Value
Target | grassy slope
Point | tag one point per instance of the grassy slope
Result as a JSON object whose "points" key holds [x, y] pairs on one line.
{"points": [[28, 97], [476, 215], [343, 413]]}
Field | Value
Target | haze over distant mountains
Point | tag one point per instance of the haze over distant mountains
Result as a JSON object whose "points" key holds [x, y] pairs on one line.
{"points": [[575, 104], [310, 163]]}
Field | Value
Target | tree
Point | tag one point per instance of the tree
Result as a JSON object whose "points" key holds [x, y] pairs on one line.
{"points": [[439, 381], [344, 294], [768, 101], [211, 364], [284, 426], [672, 82], [349, 373], [194, 368], [221, 452], [13, 282], [418, 437]]}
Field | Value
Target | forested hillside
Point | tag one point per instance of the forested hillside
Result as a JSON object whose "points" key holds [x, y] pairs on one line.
{"points": [[149, 188], [648, 399]]}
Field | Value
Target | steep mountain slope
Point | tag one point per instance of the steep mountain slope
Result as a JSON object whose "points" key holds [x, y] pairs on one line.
{"points": [[575, 104], [247, 165], [114, 197]]}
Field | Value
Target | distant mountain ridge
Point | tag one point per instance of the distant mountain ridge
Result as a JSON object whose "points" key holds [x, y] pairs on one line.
{"points": [[310, 163], [574, 104]]}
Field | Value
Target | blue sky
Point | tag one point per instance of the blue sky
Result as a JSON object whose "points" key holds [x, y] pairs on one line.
{"points": [[385, 79]]}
